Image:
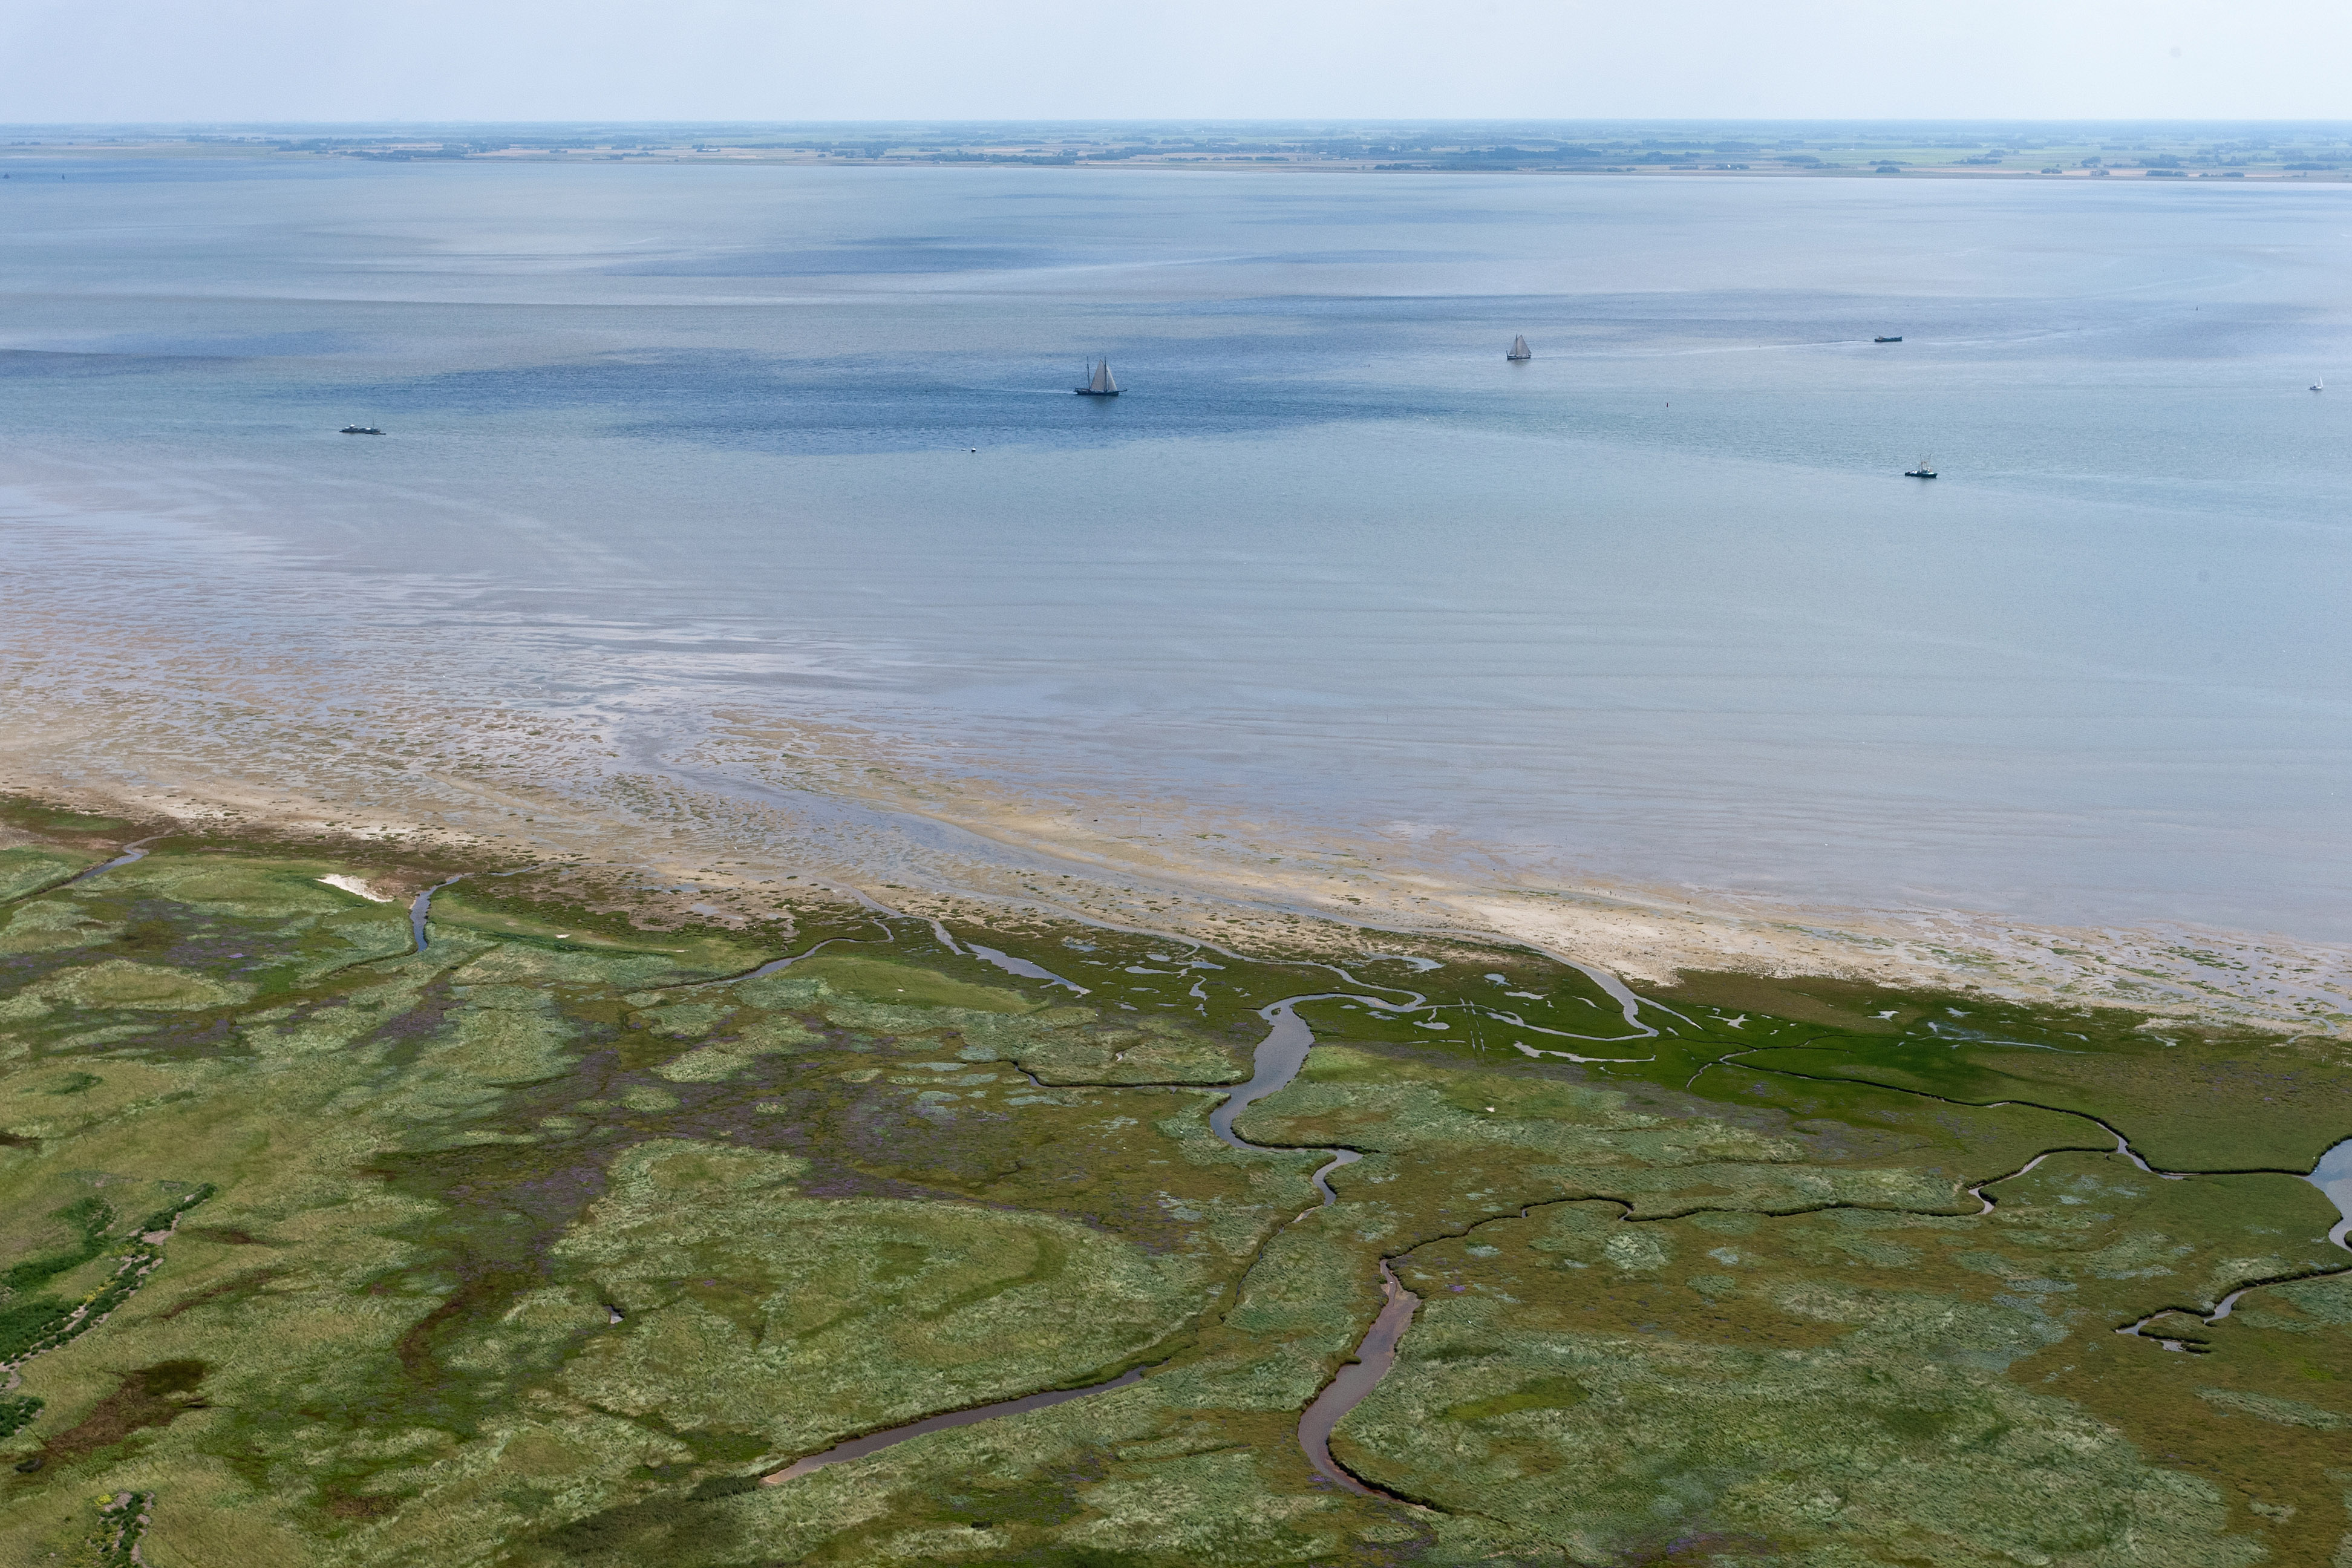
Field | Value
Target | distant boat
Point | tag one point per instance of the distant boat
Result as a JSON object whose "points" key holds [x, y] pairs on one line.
{"points": [[1896, 339], [1925, 471], [1099, 383], [2319, 385], [1520, 349], [360, 430]]}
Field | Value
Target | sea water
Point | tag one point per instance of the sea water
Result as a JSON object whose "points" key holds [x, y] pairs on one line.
{"points": [[666, 443]]}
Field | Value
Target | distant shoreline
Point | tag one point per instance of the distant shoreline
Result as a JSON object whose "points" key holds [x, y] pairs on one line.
{"points": [[2185, 152]]}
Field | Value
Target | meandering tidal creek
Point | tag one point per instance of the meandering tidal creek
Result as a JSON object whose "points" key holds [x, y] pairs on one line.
{"points": [[1279, 1058]]}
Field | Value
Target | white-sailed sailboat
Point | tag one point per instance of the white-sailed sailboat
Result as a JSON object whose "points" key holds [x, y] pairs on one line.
{"points": [[1099, 381], [2319, 385], [1520, 349]]}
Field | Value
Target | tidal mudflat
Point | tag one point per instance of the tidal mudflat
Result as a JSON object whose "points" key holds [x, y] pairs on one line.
{"points": [[550, 1236], [735, 520]]}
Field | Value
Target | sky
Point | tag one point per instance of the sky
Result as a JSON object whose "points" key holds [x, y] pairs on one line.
{"points": [[343, 61]]}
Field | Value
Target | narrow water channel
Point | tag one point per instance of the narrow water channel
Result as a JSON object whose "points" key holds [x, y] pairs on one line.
{"points": [[1278, 1059], [1374, 1356], [135, 850], [2333, 1176], [875, 1442], [420, 909], [1280, 1055]]}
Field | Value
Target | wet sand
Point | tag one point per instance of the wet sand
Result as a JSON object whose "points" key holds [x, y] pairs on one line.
{"points": [[119, 693], [135, 729]]}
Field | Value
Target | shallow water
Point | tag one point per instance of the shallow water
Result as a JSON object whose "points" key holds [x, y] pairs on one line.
{"points": [[672, 443], [2333, 1175]]}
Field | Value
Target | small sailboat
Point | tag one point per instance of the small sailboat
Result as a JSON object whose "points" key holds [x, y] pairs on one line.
{"points": [[1925, 471], [2319, 385], [1520, 349], [1099, 381]]}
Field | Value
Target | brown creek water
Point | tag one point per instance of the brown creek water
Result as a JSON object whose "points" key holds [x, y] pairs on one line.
{"points": [[1278, 1059]]}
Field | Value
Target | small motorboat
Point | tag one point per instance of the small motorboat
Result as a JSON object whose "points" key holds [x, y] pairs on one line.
{"points": [[1520, 349], [1896, 339], [1925, 471], [360, 430]]}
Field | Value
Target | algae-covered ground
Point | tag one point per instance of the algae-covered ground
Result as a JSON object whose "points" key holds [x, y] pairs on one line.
{"points": [[546, 1244]]}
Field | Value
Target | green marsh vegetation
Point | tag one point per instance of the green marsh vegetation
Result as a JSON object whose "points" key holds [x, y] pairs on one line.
{"points": [[544, 1245]]}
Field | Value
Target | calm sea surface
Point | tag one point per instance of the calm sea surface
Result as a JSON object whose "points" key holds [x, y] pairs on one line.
{"points": [[1658, 606]]}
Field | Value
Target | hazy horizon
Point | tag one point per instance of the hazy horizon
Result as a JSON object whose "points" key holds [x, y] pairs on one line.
{"points": [[1555, 122], [736, 61]]}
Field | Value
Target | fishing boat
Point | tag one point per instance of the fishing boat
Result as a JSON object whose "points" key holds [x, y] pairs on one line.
{"points": [[1896, 339], [360, 430], [1098, 383], [1520, 349], [1925, 471]]}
